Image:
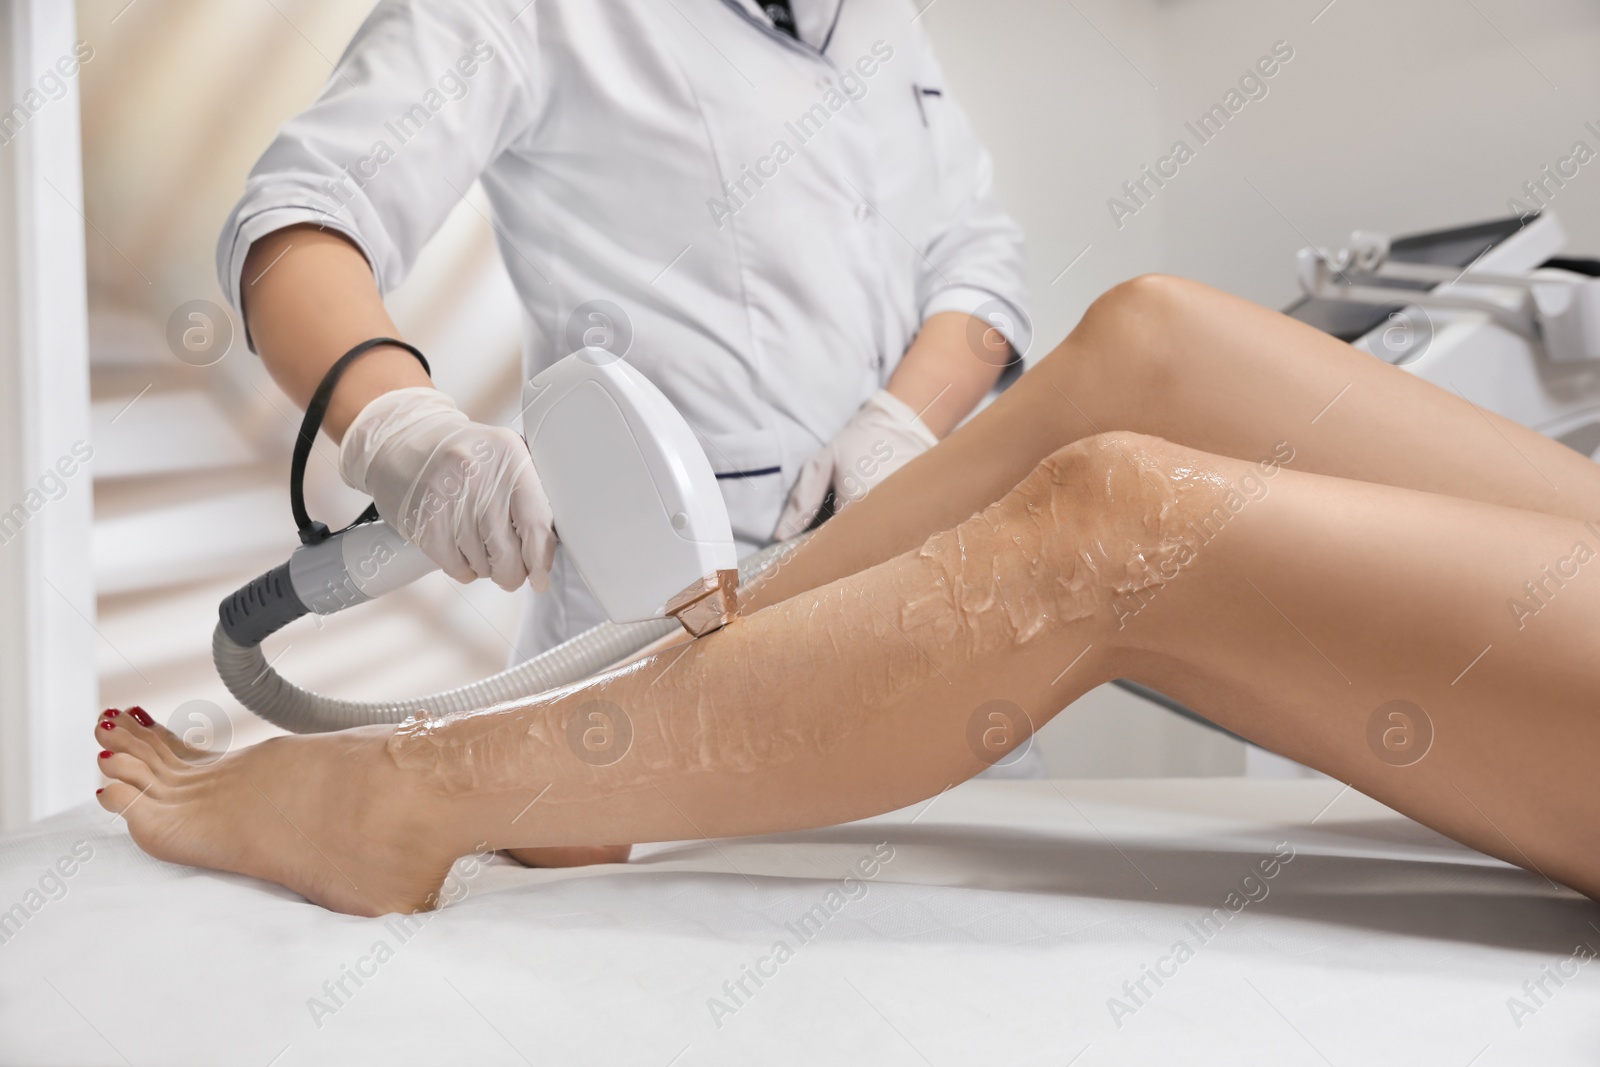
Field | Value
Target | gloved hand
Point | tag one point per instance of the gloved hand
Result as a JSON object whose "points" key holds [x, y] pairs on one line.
{"points": [[463, 492], [883, 436]]}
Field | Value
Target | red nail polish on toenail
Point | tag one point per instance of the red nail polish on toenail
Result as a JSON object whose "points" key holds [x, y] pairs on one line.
{"points": [[102, 789], [141, 716], [105, 755], [108, 726], [110, 713]]}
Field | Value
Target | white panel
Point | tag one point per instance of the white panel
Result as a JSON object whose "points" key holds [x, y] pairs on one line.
{"points": [[47, 680]]}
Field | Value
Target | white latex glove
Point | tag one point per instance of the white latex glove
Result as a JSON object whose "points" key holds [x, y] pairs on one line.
{"points": [[883, 436], [464, 493]]}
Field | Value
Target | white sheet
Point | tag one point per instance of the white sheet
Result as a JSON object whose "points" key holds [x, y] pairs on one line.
{"points": [[1008, 918]]}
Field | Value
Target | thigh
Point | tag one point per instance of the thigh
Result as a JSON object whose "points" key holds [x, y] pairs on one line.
{"points": [[1180, 360], [1436, 653]]}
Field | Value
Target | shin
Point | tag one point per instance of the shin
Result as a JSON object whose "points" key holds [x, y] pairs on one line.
{"points": [[852, 698]]}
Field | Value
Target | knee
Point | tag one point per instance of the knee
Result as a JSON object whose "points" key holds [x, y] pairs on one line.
{"points": [[1071, 539], [1132, 488], [1138, 295], [1131, 330], [1120, 479], [1096, 457], [1087, 535], [1126, 510], [1136, 304]]}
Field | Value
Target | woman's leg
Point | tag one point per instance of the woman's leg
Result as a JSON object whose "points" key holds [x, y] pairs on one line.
{"points": [[1179, 360], [1292, 607]]}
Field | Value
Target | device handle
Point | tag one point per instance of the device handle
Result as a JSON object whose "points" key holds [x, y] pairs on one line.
{"points": [[350, 567], [355, 565]]}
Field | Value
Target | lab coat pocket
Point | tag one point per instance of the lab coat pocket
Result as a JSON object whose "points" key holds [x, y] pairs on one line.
{"points": [[749, 469]]}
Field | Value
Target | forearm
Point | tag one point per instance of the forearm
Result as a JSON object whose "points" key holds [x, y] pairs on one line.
{"points": [[954, 361], [309, 296]]}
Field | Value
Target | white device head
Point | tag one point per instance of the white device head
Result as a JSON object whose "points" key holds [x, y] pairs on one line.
{"points": [[635, 500]]}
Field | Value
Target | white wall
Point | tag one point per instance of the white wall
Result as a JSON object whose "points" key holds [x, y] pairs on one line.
{"points": [[1062, 109], [1394, 117]]}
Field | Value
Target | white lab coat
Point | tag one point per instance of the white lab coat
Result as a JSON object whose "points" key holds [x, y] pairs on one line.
{"points": [[773, 218]]}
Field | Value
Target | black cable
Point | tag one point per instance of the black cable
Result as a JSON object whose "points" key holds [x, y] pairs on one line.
{"points": [[311, 531]]}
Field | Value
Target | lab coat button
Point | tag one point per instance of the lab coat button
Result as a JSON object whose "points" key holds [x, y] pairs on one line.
{"points": [[863, 212]]}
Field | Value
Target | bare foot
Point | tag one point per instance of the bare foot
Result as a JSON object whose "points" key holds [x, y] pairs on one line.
{"points": [[329, 816], [573, 856]]}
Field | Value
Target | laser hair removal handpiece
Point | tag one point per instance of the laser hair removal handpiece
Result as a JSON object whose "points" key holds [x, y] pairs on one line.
{"points": [[636, 507], [634, 499]]}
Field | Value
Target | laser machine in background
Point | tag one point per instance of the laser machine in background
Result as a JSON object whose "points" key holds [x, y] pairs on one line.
{"points": [[1493, 312]]}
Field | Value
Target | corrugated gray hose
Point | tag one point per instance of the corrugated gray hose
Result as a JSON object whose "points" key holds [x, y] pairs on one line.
{"points": [[255, 684]]}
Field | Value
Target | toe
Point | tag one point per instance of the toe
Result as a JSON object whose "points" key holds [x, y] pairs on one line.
{"points": [[116, 797], [125, 735], [166, 739], [106, 728], [137, 733], [123, 767]]}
